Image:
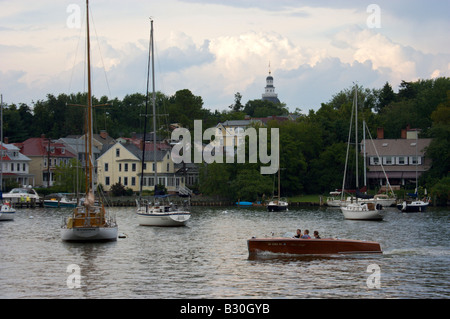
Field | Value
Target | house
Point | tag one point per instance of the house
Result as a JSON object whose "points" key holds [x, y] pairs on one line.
{"points": [[121, 163], [15, 166], [403, 159], [45, 156], [77, 146], [100, 140]]}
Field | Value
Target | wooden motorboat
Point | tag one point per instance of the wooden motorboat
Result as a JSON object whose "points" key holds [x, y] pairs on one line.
{"points": [[325, 246]]}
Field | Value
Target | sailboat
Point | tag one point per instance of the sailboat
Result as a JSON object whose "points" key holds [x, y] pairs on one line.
{"points": [[277, 203], [357, 210], [413, 205], [89, 221], [161, 211], [7, 211]]}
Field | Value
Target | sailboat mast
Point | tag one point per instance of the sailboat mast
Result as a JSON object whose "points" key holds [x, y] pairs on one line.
{"points": [[145, 115], [154, 104], [356, 136], [89, 108]]}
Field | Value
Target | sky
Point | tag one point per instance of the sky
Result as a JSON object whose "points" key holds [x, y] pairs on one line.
{"points": [[217, 48]]}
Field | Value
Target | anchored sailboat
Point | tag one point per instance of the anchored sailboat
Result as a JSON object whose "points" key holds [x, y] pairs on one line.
{"points": [[357, 210], [89, 221], [161, 211]]}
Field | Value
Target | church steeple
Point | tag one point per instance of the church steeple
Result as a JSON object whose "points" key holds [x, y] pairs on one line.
{"points": [[270, 94]]}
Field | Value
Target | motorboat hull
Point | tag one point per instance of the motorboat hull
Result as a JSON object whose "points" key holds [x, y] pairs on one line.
{"points": [[169, 219], [87, 234], [60, 204], [7, 212], [327, 246]]}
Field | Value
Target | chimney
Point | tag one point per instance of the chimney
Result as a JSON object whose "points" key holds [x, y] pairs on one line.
{"points": [[103, 134], [380, 133], [403, 134]]}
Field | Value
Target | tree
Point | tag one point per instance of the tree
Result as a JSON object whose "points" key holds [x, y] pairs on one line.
{"points": [[385, 97], [237, 106], [70, 177]]}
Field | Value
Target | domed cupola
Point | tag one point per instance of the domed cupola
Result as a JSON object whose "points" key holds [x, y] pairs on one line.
{"points": [[270, 94]]}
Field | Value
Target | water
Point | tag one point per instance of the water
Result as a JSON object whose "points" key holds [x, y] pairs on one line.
{"points": [[209, 258]]}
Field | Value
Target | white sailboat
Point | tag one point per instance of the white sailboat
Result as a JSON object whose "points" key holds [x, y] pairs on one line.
{"points": [[357, 210], [161, 211], [90, 221], [278, 203], [7, 211], [414, 205]]}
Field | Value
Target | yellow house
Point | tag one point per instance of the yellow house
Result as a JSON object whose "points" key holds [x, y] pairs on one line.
{"points": [[121, 163]]}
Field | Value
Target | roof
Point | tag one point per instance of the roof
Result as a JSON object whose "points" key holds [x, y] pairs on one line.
{"points": [[10, 148], [77, 145], [37, 146], [397, 147], [137, 152]]}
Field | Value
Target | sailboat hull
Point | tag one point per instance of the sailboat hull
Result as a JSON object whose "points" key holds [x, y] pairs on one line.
{"points": [[277, 207], [326, 246], [169, 219], [361, 211], [413, 207], [86, 234]]}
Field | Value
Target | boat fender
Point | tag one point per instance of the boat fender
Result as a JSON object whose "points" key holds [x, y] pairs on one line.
{"points": [[404, 206]]}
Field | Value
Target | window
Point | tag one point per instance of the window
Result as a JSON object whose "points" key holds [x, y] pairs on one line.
{"points": [[415, 160], [18, 167], [107, 180], [24, 168], [106, 167], [117, 152], [126, 167], [374, 160], [388, 160], [168, 166], [125, 181], [133, 167], [120, 167], [133, 181], [402, 160]]}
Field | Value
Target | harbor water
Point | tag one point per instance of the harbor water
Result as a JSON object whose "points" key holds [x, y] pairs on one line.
{"points": [[209, 257]]}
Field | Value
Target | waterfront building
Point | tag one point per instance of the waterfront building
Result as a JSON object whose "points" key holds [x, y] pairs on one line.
{"points": [[121, 163], [403, 159], [45, 156], [15, 167]]}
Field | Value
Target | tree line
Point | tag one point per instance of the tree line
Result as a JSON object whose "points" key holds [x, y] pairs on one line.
{"points": [[312, 148]]}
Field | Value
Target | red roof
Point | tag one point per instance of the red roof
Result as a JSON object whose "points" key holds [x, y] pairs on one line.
{"points": [[37, 146]]}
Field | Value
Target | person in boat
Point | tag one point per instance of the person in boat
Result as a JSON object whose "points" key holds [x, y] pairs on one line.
{"points": [[299, 234], [316, 234], [306, 235]]}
